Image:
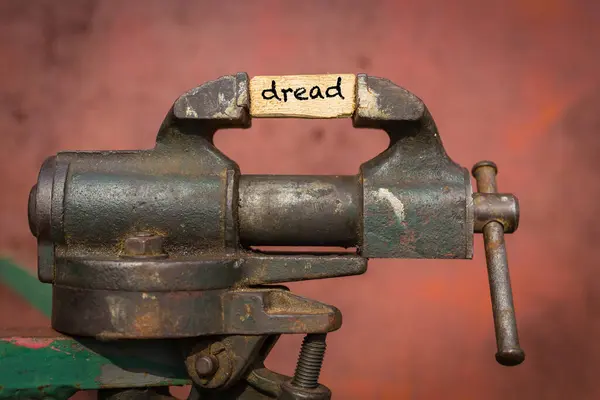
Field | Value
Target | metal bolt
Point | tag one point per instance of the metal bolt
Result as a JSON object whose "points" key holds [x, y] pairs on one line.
{"points": [[144, 244], [206, 366], [310, 361]]}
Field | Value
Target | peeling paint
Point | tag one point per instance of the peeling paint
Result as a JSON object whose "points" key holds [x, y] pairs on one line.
{"points": [[118, 310], [147, 296], [30, 343], [60, 350], [395, 202], [190, 112]]}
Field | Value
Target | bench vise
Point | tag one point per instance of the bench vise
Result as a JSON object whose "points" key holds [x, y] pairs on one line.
{"points": [[161, 243]]}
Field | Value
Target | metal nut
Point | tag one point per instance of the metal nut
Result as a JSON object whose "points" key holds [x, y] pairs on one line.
{"points": [[216, 348], [144, 244]]}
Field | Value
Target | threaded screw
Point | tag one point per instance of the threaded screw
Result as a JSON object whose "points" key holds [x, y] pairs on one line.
{"points": [[310, 361]]}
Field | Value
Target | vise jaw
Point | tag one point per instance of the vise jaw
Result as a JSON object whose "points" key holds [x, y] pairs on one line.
{"points": [[159, 243]]}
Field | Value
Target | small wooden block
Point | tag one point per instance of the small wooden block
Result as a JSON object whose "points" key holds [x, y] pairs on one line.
{"points": [[303, 96]]}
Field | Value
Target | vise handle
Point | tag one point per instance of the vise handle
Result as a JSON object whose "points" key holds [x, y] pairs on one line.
{"points": [[495, 214], [152, 235]]}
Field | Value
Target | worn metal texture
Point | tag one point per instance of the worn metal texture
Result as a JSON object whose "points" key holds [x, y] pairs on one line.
{"points": [[507, 339], [145, 246], [111, 314], [505, 323], [128, 215], [90, 203], [233, 356], [40, 363], [115, 194], [40, 218], [137, 234], [499, 207], [515, 81], [133, 369], [289, 392], [416, 200], [280, 210], [204, 273], [183, 298], [241, 353], [305, 382], [222, 103]]}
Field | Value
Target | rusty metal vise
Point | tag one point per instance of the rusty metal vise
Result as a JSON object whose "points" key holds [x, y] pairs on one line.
{"points": [[161, 243]]}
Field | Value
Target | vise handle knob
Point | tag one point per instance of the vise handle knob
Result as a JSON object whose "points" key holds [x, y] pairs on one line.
{"points": [[498, 214]]}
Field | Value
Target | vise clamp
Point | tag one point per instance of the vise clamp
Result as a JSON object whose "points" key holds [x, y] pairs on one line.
{"points": [[161, 243]]}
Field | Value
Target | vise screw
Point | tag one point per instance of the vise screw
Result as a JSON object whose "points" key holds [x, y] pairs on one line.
{"points": [[160, 243]]}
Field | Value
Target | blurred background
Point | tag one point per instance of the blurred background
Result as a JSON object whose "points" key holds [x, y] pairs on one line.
{"points": [[514, 81]]}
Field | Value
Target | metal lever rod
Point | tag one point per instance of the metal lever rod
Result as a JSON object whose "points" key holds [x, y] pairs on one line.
{"points": [[507, 338]]}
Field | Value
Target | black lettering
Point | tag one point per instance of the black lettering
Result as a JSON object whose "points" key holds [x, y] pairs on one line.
{"points": [[285, 92], [316, 93], [299, 92], [273, 90], [337, 88]]}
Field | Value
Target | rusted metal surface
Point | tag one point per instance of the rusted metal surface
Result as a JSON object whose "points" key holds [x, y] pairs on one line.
{"points": [[305, 382], [152, 189], [498, 207], [517, 85], [505, 323], [133, 369], [415, 196], [144, 245], [166, 251], [206, 366], [111, 314], [204, 273], [181, 202], [222, 360], [241, 373], [234, 356], [300, 210], [485, 173]]}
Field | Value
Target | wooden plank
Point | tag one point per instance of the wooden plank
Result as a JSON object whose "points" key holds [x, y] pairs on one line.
{"points": [[303, 96]]}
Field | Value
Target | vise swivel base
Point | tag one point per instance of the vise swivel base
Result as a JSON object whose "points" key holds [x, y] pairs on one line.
{"points": [[158, 244]]}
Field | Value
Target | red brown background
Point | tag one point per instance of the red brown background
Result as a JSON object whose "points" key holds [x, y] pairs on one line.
{"points": [[513, 81]]}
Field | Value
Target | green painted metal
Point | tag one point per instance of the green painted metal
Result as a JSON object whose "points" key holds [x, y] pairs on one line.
{"points": [[45, 364], [38, 366], [27, 285]]}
